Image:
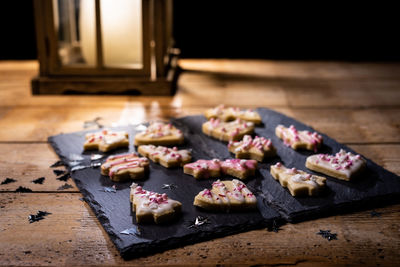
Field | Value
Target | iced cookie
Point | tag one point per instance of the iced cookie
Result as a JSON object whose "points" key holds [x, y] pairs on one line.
{"points": [[232, 113], [150, 206], [167, 157], [299, 139], [203, 168], [249, 148], [124, 167], [159, 133], [240, 168], [298, 182], [226, 196], [106, 140], [342, 165], [227, 131]]}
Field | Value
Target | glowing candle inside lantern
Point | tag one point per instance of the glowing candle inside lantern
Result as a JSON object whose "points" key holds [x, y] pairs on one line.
{"points": [[121, 28]]}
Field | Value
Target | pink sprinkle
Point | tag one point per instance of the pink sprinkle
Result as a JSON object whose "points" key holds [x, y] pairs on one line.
{"points": [[207, 193], [293, 129], [268, 143], [278, 165]]}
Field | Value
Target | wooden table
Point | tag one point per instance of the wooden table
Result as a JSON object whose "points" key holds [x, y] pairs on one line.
{"points": [[356, 103]]}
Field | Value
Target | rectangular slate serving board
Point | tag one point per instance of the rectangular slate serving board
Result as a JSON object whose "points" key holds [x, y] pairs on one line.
{"points": [[114, 209], [114, 212]]}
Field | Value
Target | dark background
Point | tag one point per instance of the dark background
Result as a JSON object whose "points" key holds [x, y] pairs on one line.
{"points": [[250, 29]]}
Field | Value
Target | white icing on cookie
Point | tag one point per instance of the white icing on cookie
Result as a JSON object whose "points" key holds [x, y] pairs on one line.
{"points": [[148, 202], [292, 137], [342, 162]]}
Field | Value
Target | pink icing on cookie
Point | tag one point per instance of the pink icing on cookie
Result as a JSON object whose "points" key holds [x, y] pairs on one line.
{"points": [[238, 164]]}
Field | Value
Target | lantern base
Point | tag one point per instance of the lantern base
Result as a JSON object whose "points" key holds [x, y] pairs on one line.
{"points": [[63, 84]]}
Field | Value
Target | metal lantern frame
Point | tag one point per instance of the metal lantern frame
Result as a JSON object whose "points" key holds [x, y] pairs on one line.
{"points": [[158, 75]]}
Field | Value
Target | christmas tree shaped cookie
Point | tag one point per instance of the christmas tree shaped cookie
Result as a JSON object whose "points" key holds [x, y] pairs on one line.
{"points": [[298, 182], [167, 157], [150, 206]]}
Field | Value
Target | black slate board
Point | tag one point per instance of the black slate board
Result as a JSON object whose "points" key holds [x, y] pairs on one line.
{"points": [[376, 186], [114, 209]]}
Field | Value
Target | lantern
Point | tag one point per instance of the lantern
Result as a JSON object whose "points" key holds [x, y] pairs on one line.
{"points": [[105, 46]]}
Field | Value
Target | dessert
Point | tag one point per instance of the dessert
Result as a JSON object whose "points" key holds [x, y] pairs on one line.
{"points": [[298, 182], [124, 167], [150, 206], [226, 196], [343, 165], [167, 157], [159, 133], [252, 148], [106, 140]]}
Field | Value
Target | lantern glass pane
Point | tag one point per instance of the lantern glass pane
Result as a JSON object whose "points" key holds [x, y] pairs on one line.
{"points": [[75, 28], [122, 36]]}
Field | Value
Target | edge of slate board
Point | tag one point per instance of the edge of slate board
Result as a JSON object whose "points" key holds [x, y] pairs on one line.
{"points": [[271, 193], [367, 198]]}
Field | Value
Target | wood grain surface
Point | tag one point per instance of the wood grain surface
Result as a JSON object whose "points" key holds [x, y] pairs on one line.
{"points": [[355, 103]]}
